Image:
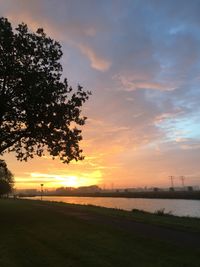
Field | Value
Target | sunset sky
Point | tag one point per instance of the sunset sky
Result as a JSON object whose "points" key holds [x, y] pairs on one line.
{"points": [[141, 60]]}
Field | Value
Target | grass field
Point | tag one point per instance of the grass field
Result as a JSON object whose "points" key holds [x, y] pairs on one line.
{"points": [[35, 233]]}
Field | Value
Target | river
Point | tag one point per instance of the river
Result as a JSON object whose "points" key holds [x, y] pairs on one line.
{"points": [[177, 207]]}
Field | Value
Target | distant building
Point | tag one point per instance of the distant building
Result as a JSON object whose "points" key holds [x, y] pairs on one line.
{"points": [[88, 189], [190, 188], [156, 189]]}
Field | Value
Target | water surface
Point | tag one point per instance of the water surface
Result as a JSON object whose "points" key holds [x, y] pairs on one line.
{"points": [[178, 207]]}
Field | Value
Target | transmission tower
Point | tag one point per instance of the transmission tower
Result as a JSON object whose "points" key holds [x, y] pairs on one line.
{"points": [[182, 181], [172, 181]]}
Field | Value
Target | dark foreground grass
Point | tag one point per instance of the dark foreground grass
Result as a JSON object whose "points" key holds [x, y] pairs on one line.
{"points": [[34, 234]]}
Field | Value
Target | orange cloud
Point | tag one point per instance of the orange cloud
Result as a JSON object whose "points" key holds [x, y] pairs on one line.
{"points": [[97, 62], [133, 81]]}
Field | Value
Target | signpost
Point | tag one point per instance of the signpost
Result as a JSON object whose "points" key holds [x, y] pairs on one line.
{"points": [[41, 190]]}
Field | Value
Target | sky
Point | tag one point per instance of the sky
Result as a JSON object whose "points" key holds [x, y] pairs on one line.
{"points": [[141, 60]]}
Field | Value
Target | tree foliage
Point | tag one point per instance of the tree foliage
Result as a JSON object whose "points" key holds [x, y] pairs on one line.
{"points": [[6, 179], [38, 110]]}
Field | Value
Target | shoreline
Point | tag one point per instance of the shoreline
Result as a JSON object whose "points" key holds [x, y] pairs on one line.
{"points": [[160, 215], [195, 195]]}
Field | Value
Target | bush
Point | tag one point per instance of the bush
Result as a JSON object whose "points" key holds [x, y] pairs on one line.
{"points": [[161, 212]]}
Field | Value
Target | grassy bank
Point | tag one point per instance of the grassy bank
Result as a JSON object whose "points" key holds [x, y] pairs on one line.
{"points": [[35, 233]]}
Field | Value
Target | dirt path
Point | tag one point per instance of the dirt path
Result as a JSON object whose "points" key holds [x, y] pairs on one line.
{"points": [[147, 230]]}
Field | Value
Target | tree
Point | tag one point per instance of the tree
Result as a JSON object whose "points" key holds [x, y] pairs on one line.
{"points": [[39, 112], [6, 179]]}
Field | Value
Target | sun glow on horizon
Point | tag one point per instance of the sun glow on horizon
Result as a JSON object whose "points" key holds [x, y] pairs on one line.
{"points": [[58, 180], [70, 181]]}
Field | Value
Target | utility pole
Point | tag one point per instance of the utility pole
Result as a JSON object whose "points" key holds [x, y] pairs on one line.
{"points": [[112, 186], [183, 181]]}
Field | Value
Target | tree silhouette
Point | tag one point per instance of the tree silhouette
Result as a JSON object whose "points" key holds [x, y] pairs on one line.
{"points": [[6, 179], [39, 112]]}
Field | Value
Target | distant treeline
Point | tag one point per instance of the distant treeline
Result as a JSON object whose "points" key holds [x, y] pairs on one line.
{"points": [[159, 194]]}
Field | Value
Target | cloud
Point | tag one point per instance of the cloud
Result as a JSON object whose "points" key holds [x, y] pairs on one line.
{"points": [[142, 62], [97, 62], [71, 33], [129, 83]]}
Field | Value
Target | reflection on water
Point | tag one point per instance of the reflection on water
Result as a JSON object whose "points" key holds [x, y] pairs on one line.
{"points": [[176, 206]]}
